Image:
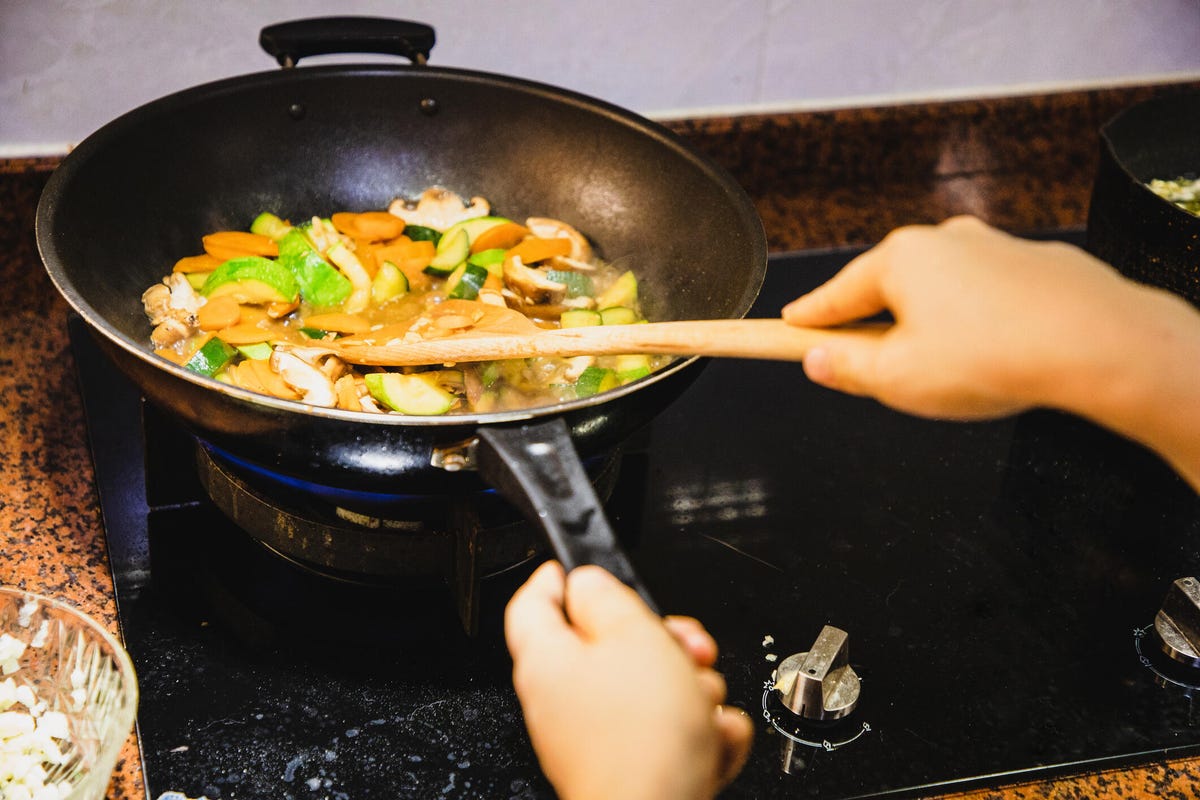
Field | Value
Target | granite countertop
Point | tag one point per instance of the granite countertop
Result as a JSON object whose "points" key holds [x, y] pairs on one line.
{"points": [[819, 180]]}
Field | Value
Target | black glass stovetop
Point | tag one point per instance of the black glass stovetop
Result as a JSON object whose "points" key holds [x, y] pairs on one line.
{"points": [[997, 582]]}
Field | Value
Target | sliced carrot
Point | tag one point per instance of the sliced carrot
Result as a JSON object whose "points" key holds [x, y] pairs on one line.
{"points": [[533, 249], [218, 313], [278, 310], [246, 333], [411, 258], [242, 374], [374, 226], [344, 222], [253, 314], [365, 250], [234, 244], [378, 225], [200, 263], [269, 378], [401, 251], [338, 322], [171, 354], [499, 237]]}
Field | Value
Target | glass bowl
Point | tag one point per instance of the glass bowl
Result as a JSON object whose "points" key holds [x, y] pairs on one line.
{"points": [[68, 698]]}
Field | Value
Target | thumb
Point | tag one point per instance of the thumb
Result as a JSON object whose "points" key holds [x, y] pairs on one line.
{"points": [[598, 603]]}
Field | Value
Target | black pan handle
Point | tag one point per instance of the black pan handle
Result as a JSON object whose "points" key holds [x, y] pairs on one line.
{"points": [[537, 468], [291, 41]]}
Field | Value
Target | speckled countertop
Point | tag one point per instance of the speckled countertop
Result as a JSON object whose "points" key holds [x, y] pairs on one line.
{"points": [[819, 180]]}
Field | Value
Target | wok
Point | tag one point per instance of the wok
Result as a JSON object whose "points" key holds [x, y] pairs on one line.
{"points": [[141, 191], [1144, 236]]}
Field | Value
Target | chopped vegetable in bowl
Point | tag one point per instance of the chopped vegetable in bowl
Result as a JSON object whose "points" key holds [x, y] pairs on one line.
{"points": [[253, 308]]}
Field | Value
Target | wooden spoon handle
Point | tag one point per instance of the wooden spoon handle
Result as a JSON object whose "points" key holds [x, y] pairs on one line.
{"points": [[734, 338], [771, 339]]}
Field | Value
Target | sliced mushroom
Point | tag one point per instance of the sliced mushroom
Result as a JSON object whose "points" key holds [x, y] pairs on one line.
{"points": [[319, 357], [472, 383], [314, 386], [531, 284], [157, 302], [547, 228], [438, 208], [347, 393], [170, 332], [568, 264], [174, 298]]}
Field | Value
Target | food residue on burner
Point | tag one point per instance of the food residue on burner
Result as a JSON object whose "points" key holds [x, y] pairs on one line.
{"points": [[768, 640]]}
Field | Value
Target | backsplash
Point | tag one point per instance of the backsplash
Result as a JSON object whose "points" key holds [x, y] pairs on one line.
{"points": [[847, 177], [67, 67]]}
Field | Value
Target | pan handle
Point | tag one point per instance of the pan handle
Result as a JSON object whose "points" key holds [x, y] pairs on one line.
{"points": [[537, 469], [291, 41]]}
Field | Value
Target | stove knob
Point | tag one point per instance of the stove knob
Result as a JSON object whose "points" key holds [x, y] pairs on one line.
{"points": [[1178, 622], [820, 684]]}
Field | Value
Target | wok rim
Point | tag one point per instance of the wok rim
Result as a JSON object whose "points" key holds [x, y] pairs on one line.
{"points": [[97, 324]]}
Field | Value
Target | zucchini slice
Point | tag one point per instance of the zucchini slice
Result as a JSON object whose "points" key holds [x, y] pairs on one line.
{"points": [[409, 394]]}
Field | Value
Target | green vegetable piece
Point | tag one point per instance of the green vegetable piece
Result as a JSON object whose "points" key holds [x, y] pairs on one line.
{"points": [[595, 380], [389, 283], [474, 226], [580, 318], [623, 292], [269, 225], [618, 315], [252, 279], [631, 367], [490, 373], [409, 394], [314, 333], [452, 250], [197, 279], [321, 283], [211, 358], [419, 233], [578, 284], [485, 258], [469, 283], [259, 351]]}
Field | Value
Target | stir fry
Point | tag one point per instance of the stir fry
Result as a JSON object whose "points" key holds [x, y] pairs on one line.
{"points": [[253, 309]]}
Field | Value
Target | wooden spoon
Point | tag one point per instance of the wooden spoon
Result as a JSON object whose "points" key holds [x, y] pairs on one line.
{"points": [[464, 330]]}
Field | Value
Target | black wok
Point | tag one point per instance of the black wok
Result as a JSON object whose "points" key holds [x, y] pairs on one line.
{"points": [[140, 192], [1144, 236]]}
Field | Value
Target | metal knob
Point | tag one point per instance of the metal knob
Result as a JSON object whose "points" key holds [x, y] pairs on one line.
{"points": [[1178, 622], [820, 684]]}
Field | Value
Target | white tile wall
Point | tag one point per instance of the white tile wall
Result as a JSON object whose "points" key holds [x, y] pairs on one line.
{"points": [[69, 66]]}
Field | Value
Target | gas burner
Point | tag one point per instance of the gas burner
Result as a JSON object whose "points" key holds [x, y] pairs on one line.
{"points": [[380, 539]]}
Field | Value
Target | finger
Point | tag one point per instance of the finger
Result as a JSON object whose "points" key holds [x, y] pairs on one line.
{"points": [[534, 616], [693, 638], [597, 602], [736, 731], [849, 365], [852, 294], [712, 683]]}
